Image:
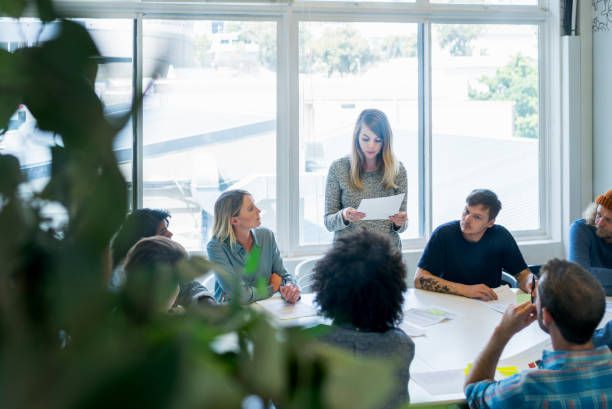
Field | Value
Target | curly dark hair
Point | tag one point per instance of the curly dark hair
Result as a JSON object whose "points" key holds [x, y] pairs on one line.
{"points": [[362, 281]]}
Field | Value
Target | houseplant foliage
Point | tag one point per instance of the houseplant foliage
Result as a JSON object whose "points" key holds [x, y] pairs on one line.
{"points": [[65, 341]]}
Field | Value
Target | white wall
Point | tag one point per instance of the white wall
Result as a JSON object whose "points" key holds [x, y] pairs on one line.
{"points": [[602, 96]]}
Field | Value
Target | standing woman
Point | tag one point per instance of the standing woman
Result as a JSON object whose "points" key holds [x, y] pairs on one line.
{"points": [[371, 171], [236, 233]]}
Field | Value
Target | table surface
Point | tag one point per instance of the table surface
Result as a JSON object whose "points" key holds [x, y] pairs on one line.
{"points": [[453, 344]]}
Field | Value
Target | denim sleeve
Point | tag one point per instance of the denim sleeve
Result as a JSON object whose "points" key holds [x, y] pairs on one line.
{"points": [[603, 336], [229, 279], [278, 267], [579, 245], [579, 253]]}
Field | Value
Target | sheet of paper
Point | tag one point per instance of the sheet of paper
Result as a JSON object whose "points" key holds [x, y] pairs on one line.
{"points": [[424, 317], [609, 306], [505, 297], [440, 382], [380, 207], [285, 311], [411, 330]]}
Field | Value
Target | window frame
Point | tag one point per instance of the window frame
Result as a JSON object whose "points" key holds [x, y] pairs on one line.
{"points": [[288, 16]]}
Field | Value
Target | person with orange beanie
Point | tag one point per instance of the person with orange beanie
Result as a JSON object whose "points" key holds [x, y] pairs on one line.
{"points": [[591, 240]]}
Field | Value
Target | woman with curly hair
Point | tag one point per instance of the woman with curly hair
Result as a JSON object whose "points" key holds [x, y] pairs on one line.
{"points": [[360, 285]]}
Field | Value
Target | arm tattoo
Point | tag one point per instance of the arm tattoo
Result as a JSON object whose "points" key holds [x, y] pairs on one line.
{"points": [[431, 284]]}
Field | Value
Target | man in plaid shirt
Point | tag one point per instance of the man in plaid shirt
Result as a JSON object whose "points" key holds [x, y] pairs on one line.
{"points": [[570, 304]]}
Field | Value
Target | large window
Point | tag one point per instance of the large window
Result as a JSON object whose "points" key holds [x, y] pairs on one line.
{"points": [[113, 84], [485, 120], [209, 120], [344, 69], [263, 97]]}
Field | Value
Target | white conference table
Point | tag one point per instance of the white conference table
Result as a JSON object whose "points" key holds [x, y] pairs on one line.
{"points": [[447, 347]]}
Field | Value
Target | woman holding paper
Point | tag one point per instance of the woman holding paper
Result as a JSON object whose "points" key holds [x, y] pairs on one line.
{"points": [[371, 171], [238, 238]]}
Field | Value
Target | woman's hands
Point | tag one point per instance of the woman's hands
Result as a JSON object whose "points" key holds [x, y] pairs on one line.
{"points": [[351, 215], [399, 219], [289, 292]]}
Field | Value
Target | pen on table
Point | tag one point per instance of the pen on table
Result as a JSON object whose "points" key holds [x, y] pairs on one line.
{"points": [[532, 286]]}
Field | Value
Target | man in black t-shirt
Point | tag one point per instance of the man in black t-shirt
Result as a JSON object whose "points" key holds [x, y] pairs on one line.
{"points": [[466, 257]]}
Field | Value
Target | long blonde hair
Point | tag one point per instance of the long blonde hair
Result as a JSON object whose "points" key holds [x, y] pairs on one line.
{"points": [[228, 205], [379, 124]]}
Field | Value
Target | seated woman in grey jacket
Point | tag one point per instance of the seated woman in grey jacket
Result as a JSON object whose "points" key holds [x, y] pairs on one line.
{"points": [[360, 285]]}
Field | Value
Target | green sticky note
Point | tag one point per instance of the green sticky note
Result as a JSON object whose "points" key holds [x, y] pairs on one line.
{"points": [[521, 298], [435, 311]]}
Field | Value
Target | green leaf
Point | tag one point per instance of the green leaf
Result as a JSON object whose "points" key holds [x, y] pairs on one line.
{"points": [[46, 11], [252, 262], [12, 8], [11, 175], [11, 86]]}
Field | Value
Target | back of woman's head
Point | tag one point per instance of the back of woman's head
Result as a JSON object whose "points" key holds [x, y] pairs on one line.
{"points": [[151, 279], [152, 251], [228, 205], [138, 224], [362, 281]]}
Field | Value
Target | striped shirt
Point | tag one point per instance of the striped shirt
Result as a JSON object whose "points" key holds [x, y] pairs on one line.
{"points": [[565, 379]]}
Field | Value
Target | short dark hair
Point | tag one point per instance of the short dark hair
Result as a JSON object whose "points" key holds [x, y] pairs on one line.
{"points": [[487, 198], [138, 224], [362, 281], [573, 297]]}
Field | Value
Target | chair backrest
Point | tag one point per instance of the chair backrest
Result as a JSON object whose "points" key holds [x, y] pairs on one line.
{"points": [[304, 274], [509, 279]]}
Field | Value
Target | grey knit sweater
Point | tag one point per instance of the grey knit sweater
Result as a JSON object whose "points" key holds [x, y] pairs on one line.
{"points": [[393, 346], [340, 195]]}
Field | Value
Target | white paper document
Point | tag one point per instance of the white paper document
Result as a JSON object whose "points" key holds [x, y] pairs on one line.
{"points": [[284, 311], [440, 382], [411, 330], [609, 306], [505, 297], [424, 317], [380, 207]]}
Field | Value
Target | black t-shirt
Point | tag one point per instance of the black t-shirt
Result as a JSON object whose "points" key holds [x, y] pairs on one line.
{"points": [[451, 257]]}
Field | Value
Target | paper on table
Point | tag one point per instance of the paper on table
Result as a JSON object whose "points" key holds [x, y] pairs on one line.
{"points": [[609, 306], [411, 330], [440, 382], [505, 297], [424, 317], [380, 207], [285, 311]]}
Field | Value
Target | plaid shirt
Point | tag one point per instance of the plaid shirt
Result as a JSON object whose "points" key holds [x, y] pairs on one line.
{"points": [[566, 379]]}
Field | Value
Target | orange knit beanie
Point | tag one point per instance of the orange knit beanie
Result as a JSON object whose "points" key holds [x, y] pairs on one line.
{"points": [[605, 200]]}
